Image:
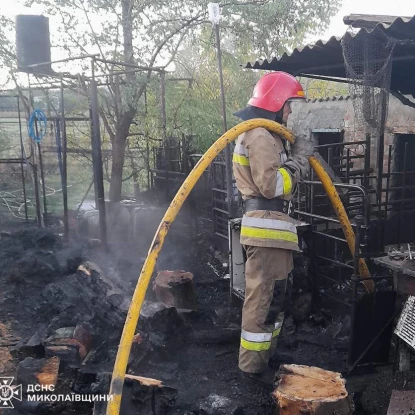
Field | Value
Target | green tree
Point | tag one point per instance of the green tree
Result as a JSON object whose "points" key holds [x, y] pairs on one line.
{"points": [[151, 32], [316, 88]]}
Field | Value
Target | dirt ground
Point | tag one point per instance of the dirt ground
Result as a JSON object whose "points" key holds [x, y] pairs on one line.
{"points": [[30, 259]]}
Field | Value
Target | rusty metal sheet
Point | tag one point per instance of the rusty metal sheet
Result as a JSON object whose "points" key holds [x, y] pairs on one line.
{"points": [[402, 403]]}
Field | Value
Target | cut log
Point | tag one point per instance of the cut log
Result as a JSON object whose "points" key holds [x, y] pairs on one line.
{"points": [[175, 289], [38, 372], [311, 390]]}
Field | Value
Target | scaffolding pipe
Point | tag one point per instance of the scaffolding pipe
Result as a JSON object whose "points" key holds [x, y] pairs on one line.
{"points": [[22, 151]]}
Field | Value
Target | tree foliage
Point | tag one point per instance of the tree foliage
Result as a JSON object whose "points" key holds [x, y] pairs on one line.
{"points": [[174, 35]]}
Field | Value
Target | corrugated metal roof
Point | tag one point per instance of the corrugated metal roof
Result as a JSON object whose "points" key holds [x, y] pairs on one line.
{"points": [[325, 58]]}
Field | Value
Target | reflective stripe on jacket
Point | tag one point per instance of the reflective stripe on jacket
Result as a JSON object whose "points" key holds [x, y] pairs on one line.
{"points": [[258, 165]]}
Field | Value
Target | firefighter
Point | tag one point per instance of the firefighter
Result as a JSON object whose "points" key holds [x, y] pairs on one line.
{"points": [[266, 175]]}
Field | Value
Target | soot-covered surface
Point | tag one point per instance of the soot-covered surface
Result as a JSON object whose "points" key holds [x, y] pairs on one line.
{"points": [[36, 263], [199, 360]]}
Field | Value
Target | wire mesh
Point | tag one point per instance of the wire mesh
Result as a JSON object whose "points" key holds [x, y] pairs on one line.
{"points": [[368, 62]]}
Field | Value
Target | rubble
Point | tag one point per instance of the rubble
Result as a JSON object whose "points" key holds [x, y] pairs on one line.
{"points": [[140, 395], [42, 372], [86, 297], [77, 313], [219, 405], [70, 344], [31, 348], [165, 328], [375, 399]]}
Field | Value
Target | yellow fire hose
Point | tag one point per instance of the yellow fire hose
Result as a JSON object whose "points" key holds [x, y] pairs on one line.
{"points": [[131, 321], [343, 218]]}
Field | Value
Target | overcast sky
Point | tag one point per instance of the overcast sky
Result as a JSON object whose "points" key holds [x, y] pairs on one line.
{"points": [[337, 27], [388, 7]]}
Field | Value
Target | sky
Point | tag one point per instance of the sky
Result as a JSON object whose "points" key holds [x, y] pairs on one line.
{"points": [[387, 7], [337, 27]]}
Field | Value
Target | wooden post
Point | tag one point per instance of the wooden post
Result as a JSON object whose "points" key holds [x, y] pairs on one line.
{"points": [[311, 390], [175, 289]]}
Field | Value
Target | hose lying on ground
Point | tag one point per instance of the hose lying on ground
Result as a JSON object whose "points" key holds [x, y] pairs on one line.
{"points": [[131, 321]]}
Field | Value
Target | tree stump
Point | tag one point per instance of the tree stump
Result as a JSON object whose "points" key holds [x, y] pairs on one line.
{"points": [[310, 390], [175, 289]]}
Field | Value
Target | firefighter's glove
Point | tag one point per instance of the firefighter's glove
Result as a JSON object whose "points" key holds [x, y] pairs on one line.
{"points": [[302, 147], [297, 163]]}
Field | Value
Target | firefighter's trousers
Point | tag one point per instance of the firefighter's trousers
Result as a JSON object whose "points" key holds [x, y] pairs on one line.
{"points": [[266, 272]]}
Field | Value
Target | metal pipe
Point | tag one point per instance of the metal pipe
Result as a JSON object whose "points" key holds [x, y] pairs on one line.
{"points": [[333, 261], [330, 156], [312, 197], [397, 202], [35, 178], [64, 173], [367, 162], [59, 146], [97, 158], [84, 197], [402, 205], [163, 104], [388, 177], [398, 173], [127, 65], [327, 235], [315, 216], [380, 157], [42, 177], [355, 283], [62, 60], [228, 159], [342, 144], [23, 157], [347, 164], [335, 298], [394, 189], [148, 165], [34, 166]]}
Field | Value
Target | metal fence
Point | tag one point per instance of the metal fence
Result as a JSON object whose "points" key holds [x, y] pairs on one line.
{"points": [[32, 189]]}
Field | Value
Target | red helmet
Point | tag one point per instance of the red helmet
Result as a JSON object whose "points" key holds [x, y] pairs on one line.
{"points": [[274, 89]]}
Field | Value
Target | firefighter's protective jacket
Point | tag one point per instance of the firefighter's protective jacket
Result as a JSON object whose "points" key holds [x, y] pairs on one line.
{"points": [[262, 169]]}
